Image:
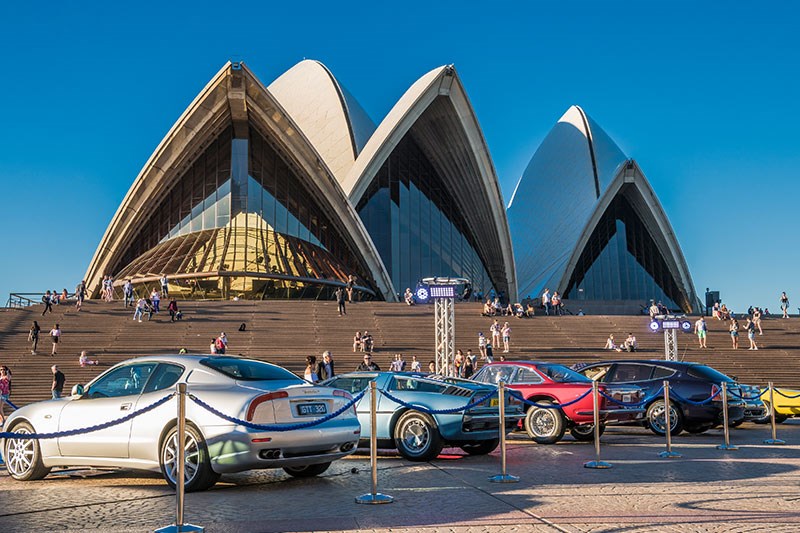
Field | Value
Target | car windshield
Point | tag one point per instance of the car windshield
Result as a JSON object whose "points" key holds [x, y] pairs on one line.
{"points": [[707, 373], [249, 370], [562, 374]]}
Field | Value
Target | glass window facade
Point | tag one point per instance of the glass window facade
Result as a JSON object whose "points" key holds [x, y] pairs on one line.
{"points": [[622, 262], [415, 224], [240, 223]]}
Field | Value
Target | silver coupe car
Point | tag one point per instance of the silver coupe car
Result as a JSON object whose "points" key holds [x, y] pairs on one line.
{"points": [[253, 391]]}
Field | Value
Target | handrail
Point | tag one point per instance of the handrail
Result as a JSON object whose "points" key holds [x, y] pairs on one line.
{"points": [[17, 300]]}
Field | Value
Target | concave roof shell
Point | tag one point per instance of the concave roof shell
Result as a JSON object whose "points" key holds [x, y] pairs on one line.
{"points": [[234, 95], [437, 112], [569, 183]]}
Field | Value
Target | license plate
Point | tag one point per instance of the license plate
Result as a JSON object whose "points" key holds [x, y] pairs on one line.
{"points": [[311, 409], [494, 402]]}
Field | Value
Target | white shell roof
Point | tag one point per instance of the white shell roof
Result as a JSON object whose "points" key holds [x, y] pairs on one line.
{"points": [[332, 120]]}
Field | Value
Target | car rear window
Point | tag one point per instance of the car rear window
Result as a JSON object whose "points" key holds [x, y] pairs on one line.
{"points": [[708, 373], [562, 374], [249, 370]]}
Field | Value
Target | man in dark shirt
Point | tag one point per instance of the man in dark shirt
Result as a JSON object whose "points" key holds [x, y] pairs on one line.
{"points": [[326, 369], [58, 382], [340, 299], [367, 364]]}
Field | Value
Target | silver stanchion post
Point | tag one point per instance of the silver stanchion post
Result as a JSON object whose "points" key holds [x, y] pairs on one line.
{"points": [[597, 463], [668, 424], [503, 477], [373, 497], [774, 439], [726, 429], [180, 446]]}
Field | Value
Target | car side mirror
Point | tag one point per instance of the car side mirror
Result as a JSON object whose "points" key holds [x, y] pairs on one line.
{"points": [[734, 378], [77, 390]]}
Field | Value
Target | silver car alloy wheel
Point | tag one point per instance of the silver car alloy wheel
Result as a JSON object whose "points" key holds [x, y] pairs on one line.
{"points": [[191, 462], [658, 418], [416, 435], [21, 454]]}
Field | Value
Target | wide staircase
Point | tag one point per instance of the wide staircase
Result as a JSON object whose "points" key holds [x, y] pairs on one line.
{"points": [[284, 332]]}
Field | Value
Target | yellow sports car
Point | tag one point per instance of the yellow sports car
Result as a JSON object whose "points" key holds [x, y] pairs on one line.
{"points": [[787, 404]]}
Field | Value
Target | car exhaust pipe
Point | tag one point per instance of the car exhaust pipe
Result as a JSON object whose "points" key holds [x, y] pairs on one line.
{"points": [[346, 447], [270, 454]]}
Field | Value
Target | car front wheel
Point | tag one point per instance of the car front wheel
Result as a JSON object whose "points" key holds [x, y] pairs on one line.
{"points": [[23, 456], [197, 472], [307, 470], [545, 425], [417, 437], [656, 419]]}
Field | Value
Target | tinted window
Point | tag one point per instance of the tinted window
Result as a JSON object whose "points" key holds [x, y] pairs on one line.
{"points": [[626, 372], [596, 373], [415, 385], [708, 373], [661, 372], [123, 381], [351, 384], [561, 374], [248, 370], [527, 375], [165, 376]]}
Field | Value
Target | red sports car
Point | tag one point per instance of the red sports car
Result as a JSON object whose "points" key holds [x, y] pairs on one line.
{"points": [[548, 384]]}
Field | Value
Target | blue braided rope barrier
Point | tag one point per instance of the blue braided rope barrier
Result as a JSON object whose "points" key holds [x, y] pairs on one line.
{"points": [[785, 395], [438, 411], [692, 402], [90, 429], [14, 407], [741, 397], [278, 427], [642, 403], [518, 395]]}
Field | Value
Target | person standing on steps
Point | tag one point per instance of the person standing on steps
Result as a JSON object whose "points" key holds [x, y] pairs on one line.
{"points": [[750, 327], [701, 330], [482, 342], [785, 305], [326, 368], [506, 333], [351, 285], [734, 329], [495, 329], [164, 286], [127, 291], [57, 387], [55, 337], [48, 303], [340, 300], [33, 336]]}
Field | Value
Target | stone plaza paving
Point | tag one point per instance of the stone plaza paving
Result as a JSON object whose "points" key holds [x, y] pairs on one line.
{"points": [[756, 488]]}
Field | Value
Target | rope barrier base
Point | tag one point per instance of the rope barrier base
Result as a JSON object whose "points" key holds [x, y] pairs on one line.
{"points": [[774, 441], [183, 528], [727, 447], [374, 499], [504, 478], [669, 455], [600, 465]]}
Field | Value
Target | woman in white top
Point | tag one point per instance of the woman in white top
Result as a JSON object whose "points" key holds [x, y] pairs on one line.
{"points": [[310, 373], [506, 332], [84, 359], [156, 299], [415, 365], [55, 336], [610, 345]]}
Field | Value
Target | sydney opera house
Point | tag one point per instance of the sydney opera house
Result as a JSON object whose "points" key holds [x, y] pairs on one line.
{"points": [[288, 190]]}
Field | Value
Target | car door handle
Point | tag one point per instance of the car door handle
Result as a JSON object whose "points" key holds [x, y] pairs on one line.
{"points": [[125, 407]]}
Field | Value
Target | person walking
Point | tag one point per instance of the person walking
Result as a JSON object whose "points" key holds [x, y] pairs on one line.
{"points": [[546, 301], [33, 336], [750, 327], [734, 330], [80, 294], [467, 368], [506, 333], [55, 337], [47, 300], [368, 365], [139, 311], [222, 344], [164, 286], [701, 330], [310, 373], [351, 285], [482, 342], [495, 330], [57, 388], [127, 291], [326, 368], [155, 298], [340, 300], [5, 392], [173, 310], [785, 304], [757, 319]]}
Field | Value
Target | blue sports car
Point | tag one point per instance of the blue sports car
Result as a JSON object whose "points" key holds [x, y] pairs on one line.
{"points": [[420, 436]]}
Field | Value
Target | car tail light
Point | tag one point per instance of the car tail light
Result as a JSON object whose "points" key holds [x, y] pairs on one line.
{"points": [[347, 396], [714, 391], [258, 400]]}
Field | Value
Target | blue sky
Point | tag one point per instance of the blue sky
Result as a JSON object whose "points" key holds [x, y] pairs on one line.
{"points": [[703, 95]]}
